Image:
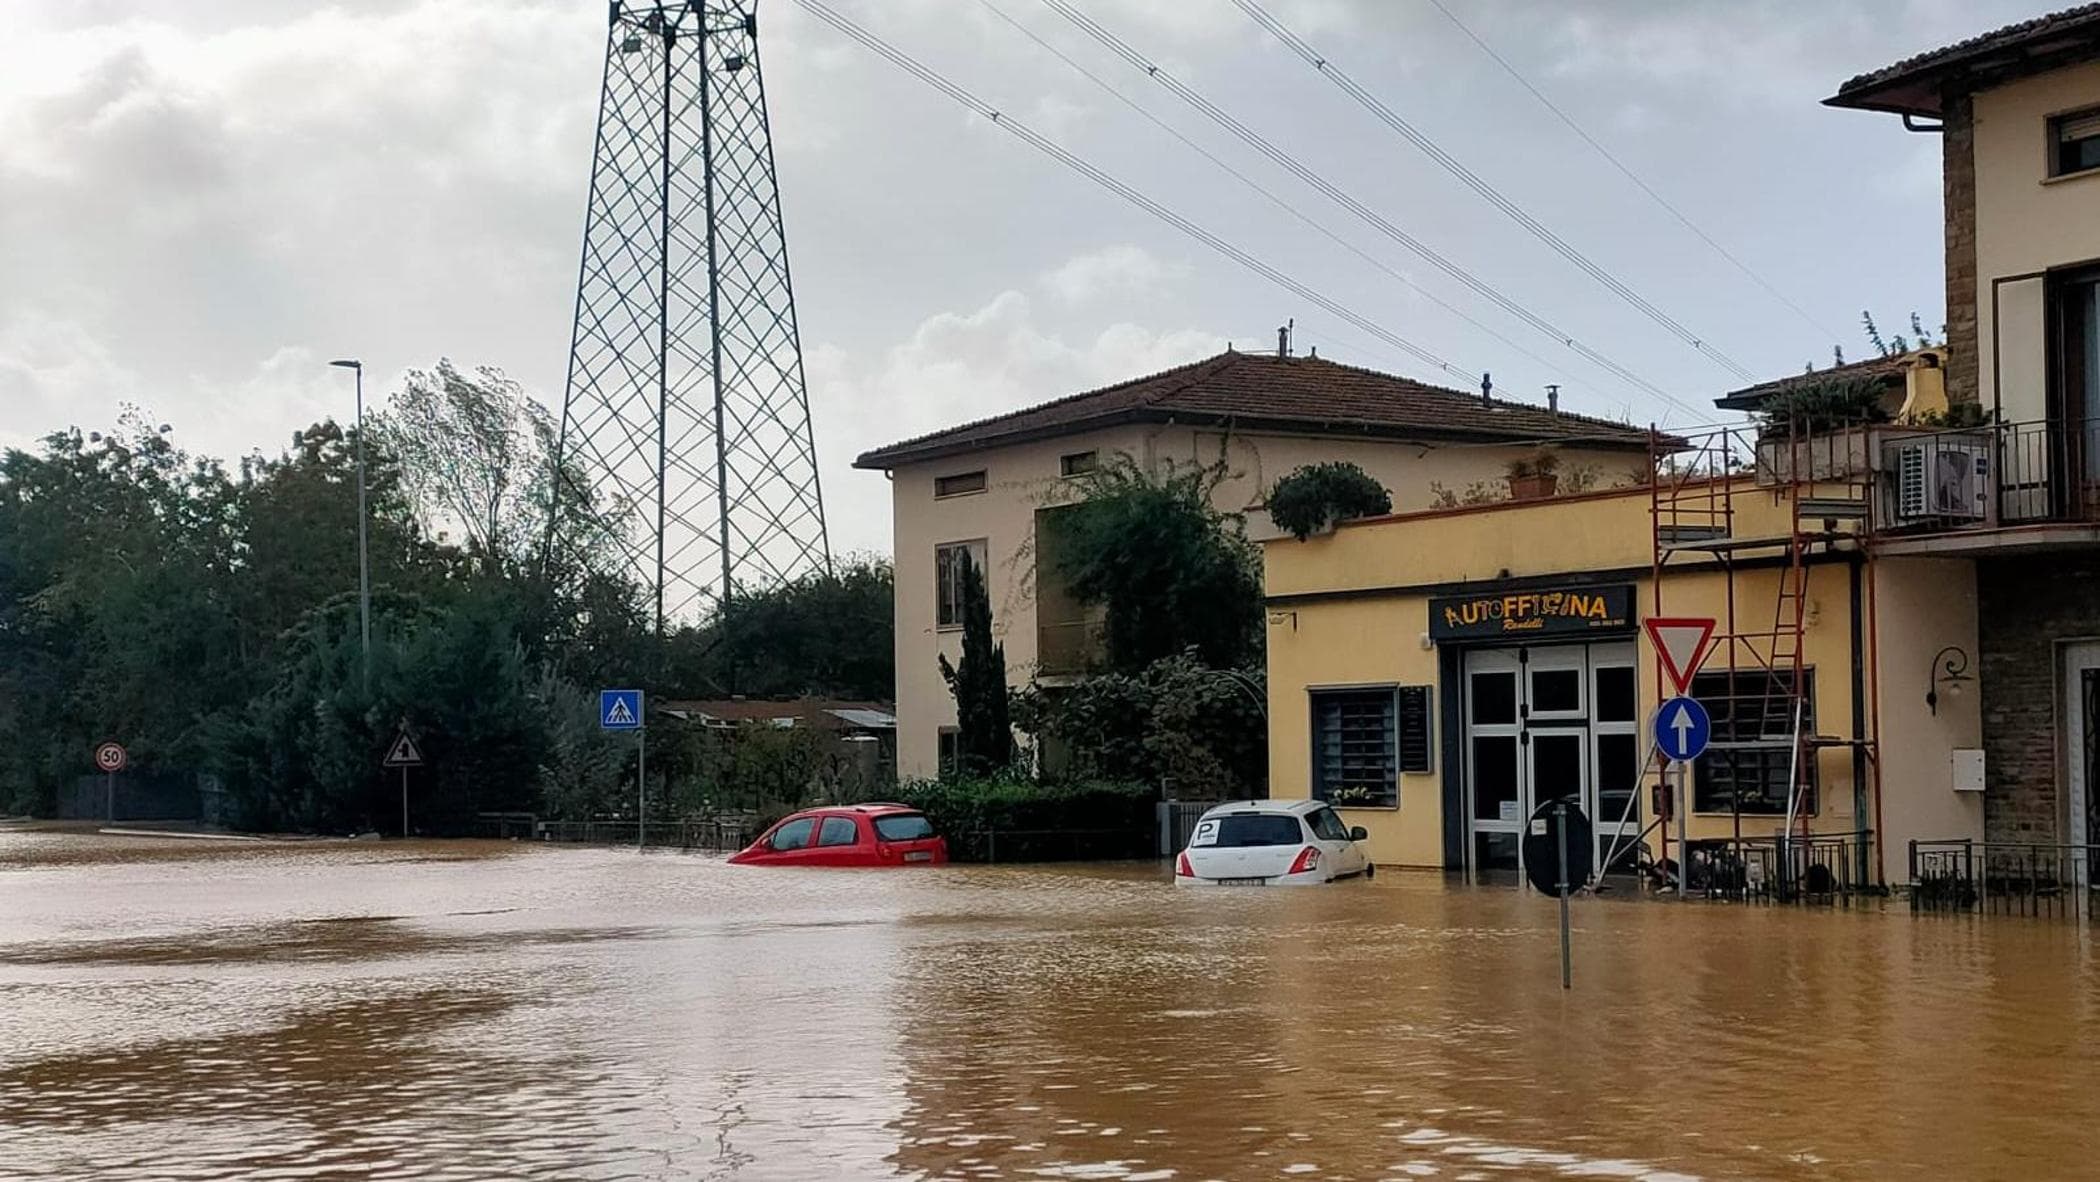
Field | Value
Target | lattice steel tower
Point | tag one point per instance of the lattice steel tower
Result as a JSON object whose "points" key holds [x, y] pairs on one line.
{"points": [[687, 413]]}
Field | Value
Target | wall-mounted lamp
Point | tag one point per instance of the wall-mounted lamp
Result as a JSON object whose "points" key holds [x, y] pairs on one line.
{"points": [[1950, 666]]}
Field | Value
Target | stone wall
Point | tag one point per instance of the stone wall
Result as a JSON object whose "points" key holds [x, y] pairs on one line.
{"points": [[2024, 606], [1958, 180]]}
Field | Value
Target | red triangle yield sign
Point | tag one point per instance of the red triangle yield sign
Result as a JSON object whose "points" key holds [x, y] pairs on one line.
{"points": [[1681, 644]]}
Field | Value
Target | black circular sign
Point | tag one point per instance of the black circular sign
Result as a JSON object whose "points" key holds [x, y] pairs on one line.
{"points": [[1542, 846]]}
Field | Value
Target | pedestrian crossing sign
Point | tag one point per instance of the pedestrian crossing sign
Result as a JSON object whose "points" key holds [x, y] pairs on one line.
{"points": [[620, 709]]}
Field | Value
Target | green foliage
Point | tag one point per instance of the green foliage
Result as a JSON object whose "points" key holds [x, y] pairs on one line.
{"points": [[1316, 496], [208, 618], [1176, 722], [1542, 463], [823, 635], [978, 681], [1959, 416], [983, 816], [1479, 492], [1827, 404], [1171, 571]]}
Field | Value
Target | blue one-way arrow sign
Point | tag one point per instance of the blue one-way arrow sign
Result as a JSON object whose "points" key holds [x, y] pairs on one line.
{"points": [[1682, 729], [620, 710]]}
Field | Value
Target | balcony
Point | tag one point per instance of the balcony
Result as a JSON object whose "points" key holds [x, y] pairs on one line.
{"points": [[1069, 648], [1989, 486]]}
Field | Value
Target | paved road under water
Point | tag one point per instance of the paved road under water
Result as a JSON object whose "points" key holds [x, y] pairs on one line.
{"points": [[177, 1009]]}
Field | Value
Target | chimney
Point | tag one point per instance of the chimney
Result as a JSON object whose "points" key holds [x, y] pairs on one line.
{"points": [[1552, 399], [1283, 337], [1487, 390]]}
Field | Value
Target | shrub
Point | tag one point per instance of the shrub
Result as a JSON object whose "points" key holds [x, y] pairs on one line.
{"points": [[1824, 405], [1316, 496], [1014, 819]]}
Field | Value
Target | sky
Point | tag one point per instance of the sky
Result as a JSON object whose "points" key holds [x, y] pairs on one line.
{"points": [[203, 202]]}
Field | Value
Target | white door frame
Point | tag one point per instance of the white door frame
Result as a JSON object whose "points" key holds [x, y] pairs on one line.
{"points": [[1492, 660]]}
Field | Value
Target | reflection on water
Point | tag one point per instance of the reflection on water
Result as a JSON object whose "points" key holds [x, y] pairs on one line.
{"points": [[203, 1010]]}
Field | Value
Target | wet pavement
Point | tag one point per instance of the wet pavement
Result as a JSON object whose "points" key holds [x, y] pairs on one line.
{"points": [[208, 1010]]}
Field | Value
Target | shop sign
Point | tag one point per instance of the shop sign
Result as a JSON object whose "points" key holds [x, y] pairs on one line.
{"points": [[1570, 611]]}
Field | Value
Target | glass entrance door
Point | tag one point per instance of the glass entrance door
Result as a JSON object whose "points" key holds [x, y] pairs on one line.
{"points": [[1543, 723]]}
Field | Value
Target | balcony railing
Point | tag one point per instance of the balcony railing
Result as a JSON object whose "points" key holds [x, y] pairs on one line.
{"points": [[1989, 476]]}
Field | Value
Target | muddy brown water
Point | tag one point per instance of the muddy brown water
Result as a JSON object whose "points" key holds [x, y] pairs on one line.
{"points": [[193, 1010]]}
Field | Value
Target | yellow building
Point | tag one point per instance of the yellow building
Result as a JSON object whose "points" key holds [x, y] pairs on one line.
{"points": [[1448, 671]]}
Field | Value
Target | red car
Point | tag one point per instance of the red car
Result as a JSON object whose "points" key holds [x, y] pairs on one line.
{"points": [[849, 835]]}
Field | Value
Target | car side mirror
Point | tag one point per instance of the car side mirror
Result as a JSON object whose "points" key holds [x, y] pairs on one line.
{"points": [[1359, 833]]}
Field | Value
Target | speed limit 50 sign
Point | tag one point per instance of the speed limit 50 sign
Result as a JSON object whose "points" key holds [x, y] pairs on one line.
{"points": [[110, 758]]}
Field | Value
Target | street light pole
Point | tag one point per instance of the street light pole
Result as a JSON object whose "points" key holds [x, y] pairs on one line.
{"points": [[364, 554]]}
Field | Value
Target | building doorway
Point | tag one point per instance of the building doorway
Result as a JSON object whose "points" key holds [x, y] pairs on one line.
{"points": [[2080, 726], [1542, 722]]}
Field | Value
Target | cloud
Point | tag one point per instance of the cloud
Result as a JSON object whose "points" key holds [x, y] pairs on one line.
{"points": [[956, 367], [1124, 270]]}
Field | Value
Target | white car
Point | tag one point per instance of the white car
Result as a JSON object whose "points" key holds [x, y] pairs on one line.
{"points": [[1271, 843]]}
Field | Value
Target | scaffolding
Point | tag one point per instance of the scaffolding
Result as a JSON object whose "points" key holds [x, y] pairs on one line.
{"points": [[1737, 499]]}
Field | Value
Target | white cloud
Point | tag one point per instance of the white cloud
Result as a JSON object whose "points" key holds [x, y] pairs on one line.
{"points": [[1126, 270], [957, 367]]}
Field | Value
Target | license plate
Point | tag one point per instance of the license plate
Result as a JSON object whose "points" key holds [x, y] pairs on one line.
{"points": [[918, 855], [1243, 882]]}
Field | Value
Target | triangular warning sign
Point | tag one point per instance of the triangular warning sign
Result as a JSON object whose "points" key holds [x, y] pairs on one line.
{"points": [[618, 714], [1681, 645], [404, 752]]}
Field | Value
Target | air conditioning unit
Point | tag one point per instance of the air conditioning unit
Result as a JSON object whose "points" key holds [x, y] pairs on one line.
{"points": [[1942, 478]]}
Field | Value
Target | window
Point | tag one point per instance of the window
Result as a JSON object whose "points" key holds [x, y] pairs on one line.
{"points": [[1355, 757], [1077, 463], [838, 831], [1752, 753], [1254, 829], [903, 827], [950, 750], [948, 562], [2074, 142], [792, 836], [959, 484], [1326, 826]]}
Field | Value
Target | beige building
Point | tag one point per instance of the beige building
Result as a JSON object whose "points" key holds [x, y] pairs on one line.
{"points": [[2018, 111], [985, 488]]}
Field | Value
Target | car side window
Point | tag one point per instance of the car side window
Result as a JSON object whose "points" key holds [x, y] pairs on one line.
{"points": [[792, 836], [1328, 827], [838, 831]]}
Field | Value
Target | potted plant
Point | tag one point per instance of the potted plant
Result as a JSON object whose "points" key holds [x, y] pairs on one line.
{"points": [[1533, 477], [1311, 499], [1818, 430]]}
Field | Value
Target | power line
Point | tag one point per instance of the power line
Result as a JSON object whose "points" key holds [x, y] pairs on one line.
{"points": [[1052, 149], [1369, 216], [1487, 192], [1267, 194], [1628, 173]]}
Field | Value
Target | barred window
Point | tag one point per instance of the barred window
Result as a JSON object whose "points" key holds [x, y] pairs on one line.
{"points": [[1355, 748], [1746, 766]]}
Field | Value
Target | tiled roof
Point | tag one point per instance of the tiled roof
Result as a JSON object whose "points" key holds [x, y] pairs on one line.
{"points": [[1915, 85], [1254, 390], [822, 713], [1888, 369]]}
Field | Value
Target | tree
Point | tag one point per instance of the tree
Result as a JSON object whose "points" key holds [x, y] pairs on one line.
{"points": [[1178, 721], [827, 634], [978, 681], [1172, 572], [476, 451]]}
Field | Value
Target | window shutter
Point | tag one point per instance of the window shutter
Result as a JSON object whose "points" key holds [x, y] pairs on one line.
{"points": [[1415, 744], [2072, 128]]}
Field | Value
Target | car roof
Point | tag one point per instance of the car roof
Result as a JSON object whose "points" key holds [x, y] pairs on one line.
{"points": [[1292, 807]]}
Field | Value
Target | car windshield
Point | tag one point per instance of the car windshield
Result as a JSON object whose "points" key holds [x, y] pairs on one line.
{"points": [[903, 827], [1245, 829]]}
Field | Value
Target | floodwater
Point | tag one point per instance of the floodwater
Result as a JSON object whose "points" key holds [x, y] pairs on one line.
{"points": [[204, 1010]]}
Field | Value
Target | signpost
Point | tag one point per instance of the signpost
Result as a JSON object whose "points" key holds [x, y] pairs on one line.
{"points": [[621, 710], [110, 758], [1557, 828], [1682, 726], [404, 754]]}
